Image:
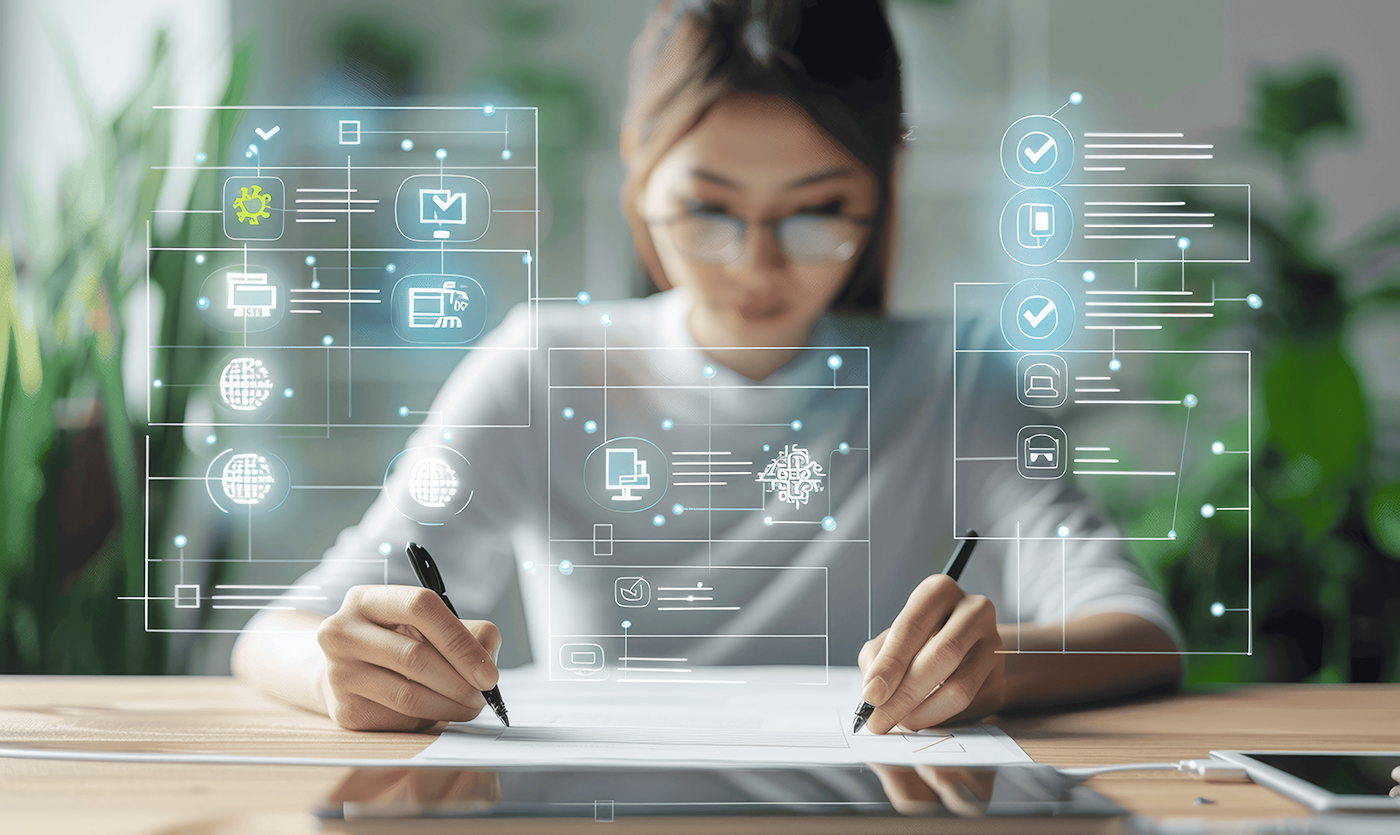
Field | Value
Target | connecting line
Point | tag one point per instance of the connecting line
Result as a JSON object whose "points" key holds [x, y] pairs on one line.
{"points": [[1181, 467]]}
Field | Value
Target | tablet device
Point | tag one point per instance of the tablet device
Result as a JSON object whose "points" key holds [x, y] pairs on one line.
{"points": [[1334, 781]]}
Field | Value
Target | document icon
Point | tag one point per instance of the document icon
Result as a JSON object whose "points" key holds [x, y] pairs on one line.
{"points": [[442, 206], [632, 592], [1035, 224]]}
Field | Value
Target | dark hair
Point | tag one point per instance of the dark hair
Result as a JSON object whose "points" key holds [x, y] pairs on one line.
{"points": [[835, 59]]}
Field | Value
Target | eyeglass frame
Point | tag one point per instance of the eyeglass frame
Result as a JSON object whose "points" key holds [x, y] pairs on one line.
{"points": [[867, 221]]}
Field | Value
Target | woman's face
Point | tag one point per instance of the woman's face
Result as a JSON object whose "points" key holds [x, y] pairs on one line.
{"points": [[758, 159]]}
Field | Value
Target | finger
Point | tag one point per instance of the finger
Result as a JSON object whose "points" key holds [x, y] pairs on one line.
{"points": [[391, 605], [969, 622], [955, 787], [356, 713], [906, 790], [870, 650], [414, 660], [408, 698], [486, 634], [922, 615], [368, 783], [955, 694]]}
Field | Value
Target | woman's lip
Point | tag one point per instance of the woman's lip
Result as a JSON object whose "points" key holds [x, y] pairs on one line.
{"points": [[767, 310]]}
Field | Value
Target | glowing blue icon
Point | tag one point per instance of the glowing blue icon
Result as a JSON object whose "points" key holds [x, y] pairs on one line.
{"points": [[252, 149], [211, 439], [287, 393], [488, 109], [658, 520], [388, 268], [627, 624], [155, 384], [403, 410], [441, 153], [526, 259], [1207, 510], [1218, 448], [590, 427], [583, 297], [1114, 365], [407, 144], [768, 520], [568, 413], [315, 284], [708, 371], [202, 303], [829, 523], [1089, 276], [505, 154], [796, 425], [566, 568], [833, 362], [1183, 243], [385, 548], [678, 509], [1189, 400], [528, 565], [447, 436], [201, 157], [1062, 531], [765, 447], [667, 424], [1254, 301], [180, 541], [605, 319], [1171, 534], [1217, 609], [311, 260], [327, 340], [1076, 98], [843, 448], [199, 258]]}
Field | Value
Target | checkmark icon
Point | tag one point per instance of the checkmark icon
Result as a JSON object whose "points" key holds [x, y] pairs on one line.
{"points": [[633, 592], [443, 202], [269, 133], [1037, 318], [1034, 156]]}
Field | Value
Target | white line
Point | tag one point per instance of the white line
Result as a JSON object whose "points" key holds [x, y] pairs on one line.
{"points": [[1096, 460], [1093, 378], [306, 311], [697, 608], [1128, 237], [687, 598], [698, 483], [684, 588], [1134, 402], [1149, 156], [328, 290], [1135, 202], [1149, 214], [1192, 147], [1091, 449], [260, 597], [658, 670], [1104, 168], [285, 588], [1150, 315], [1138, 135], [315, 220], [339, 201], [1140, 225], [1122, 472], [1139, 293], [702, 453], [270, 608], [340, 211], [677, 681], [985, 458], [1098, 391], [648, 658], [332, 190], [1149, 304]]}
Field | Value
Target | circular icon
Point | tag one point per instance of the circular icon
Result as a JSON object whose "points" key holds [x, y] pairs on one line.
{"points": [[1036, 226], [252, 479], [245, 384], [1037, 315], [1037, 151], [429, 484], [247, 478], [628, 475], [433, 482]]}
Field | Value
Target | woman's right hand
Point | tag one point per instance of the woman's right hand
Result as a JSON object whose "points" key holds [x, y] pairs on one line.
{"points": [[398, 660]]}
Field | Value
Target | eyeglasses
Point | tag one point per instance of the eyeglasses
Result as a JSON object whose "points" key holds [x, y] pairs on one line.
{"points": [[719, 238]]}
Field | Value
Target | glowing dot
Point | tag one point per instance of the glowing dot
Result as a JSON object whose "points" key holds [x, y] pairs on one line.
{"points": [[1207, 510], [315, 284], [658, 520], [627, 624], [568, 413], [1114, 365], [385, 548], [441, 153], [489, 109], [768, 520], [287, 392], [201, 157], [583, 297], [1254, 301], [1089, 276], [447, 436], [211, 439], [1183, 243], [1217, 609], [327, 340], [1171, 534], [1189, 400], [605, 319], [843, 448], [765, 447], [388, 268], [311, 260], [202, 303], [667, 424], [528, 565], [829, 523], [1076, 98], [708, 371], [590, 427], [180, 541], [525, 259], [833, 362], [199, 258], [248, 154], [678, 509], [252, 148], [796, 425], [505, 154], [1218, 448], [407, 144], [1062, 530], [403, 410], [566, 568], [155, 384]]}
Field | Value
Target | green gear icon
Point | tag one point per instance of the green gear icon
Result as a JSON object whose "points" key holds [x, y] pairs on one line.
{"points": [[245, 201]]}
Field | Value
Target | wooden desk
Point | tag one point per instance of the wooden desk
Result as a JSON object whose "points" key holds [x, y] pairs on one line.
{"points": [[220, 716]]}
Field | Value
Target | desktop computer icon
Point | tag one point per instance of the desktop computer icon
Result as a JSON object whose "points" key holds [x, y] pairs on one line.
{"points": [[626, 472]]}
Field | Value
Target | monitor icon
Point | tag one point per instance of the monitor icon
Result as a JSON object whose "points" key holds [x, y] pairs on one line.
{"points": [[250, 295], [1035, 224], [442, 207], [1042, 381], [433, 307], [626, 472]]}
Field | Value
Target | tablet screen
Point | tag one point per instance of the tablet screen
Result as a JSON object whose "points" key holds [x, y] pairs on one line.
{"points": [[1353, 774]]}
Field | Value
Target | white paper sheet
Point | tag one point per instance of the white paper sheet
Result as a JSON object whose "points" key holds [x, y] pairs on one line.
{"points": [[758, 722]]}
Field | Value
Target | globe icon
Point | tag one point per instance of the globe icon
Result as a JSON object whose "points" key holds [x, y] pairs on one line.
{"points": [[432, 483], [247, 478], [245, 384]]}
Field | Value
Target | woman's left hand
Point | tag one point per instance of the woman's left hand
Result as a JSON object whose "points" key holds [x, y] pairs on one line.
{"points": [[937, 662]]}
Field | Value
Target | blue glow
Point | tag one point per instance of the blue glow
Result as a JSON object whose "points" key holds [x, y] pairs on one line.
{"points": [[505, 154], [525, 259], [605, 319], [1207, 510], [568, 413], [1114, 365], [528, 565], [202, 303], [843, 448], [311, 260], [1183, 243], [768, 520], [327, 340], [403, 410], [287, 392], [678, 509], [155, 384], [1217, 609], [833, 362], [765, 447], [796, 425], [1218, 448], [658, 520], [708, 371], [1062, 530], [388, 268], [667, 424], [1076, 98], [252, 148], [315, 284], [590, 427], [407, 144], [447, 436], [583, 297], [1171, 534], [1189, 400], [566, 568], [211, 439], [1254, 301], [199, 258], [441, 153], [248, 154], [180, 541], [627, 624], [201, 157], [1089, 276], [829, 523], [489, 109], [385, 548]]}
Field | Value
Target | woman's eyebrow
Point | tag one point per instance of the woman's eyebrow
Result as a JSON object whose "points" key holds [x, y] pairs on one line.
{"points": [[820, 176]]}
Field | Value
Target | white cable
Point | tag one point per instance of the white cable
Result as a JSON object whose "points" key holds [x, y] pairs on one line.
{"points": [[1212, 770]]}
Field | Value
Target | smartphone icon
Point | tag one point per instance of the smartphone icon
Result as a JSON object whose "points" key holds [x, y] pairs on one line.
{"points": [[1035, 224]]}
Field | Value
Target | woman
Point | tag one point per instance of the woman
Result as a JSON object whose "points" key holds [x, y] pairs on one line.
{"points": [[762, 142]]}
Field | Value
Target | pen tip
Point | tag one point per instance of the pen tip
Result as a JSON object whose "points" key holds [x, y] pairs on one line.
{"points": [[858, 724], [505, 719]]}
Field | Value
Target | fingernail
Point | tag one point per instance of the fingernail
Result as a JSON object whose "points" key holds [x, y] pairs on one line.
{"points": [[875, 691]]}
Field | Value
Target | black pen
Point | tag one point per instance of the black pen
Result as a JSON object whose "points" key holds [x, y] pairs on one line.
{"points": [[431, 579], [954, 570]]}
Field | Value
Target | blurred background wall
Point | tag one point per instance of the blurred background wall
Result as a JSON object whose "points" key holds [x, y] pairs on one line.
{"points": [[971, 66]]}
